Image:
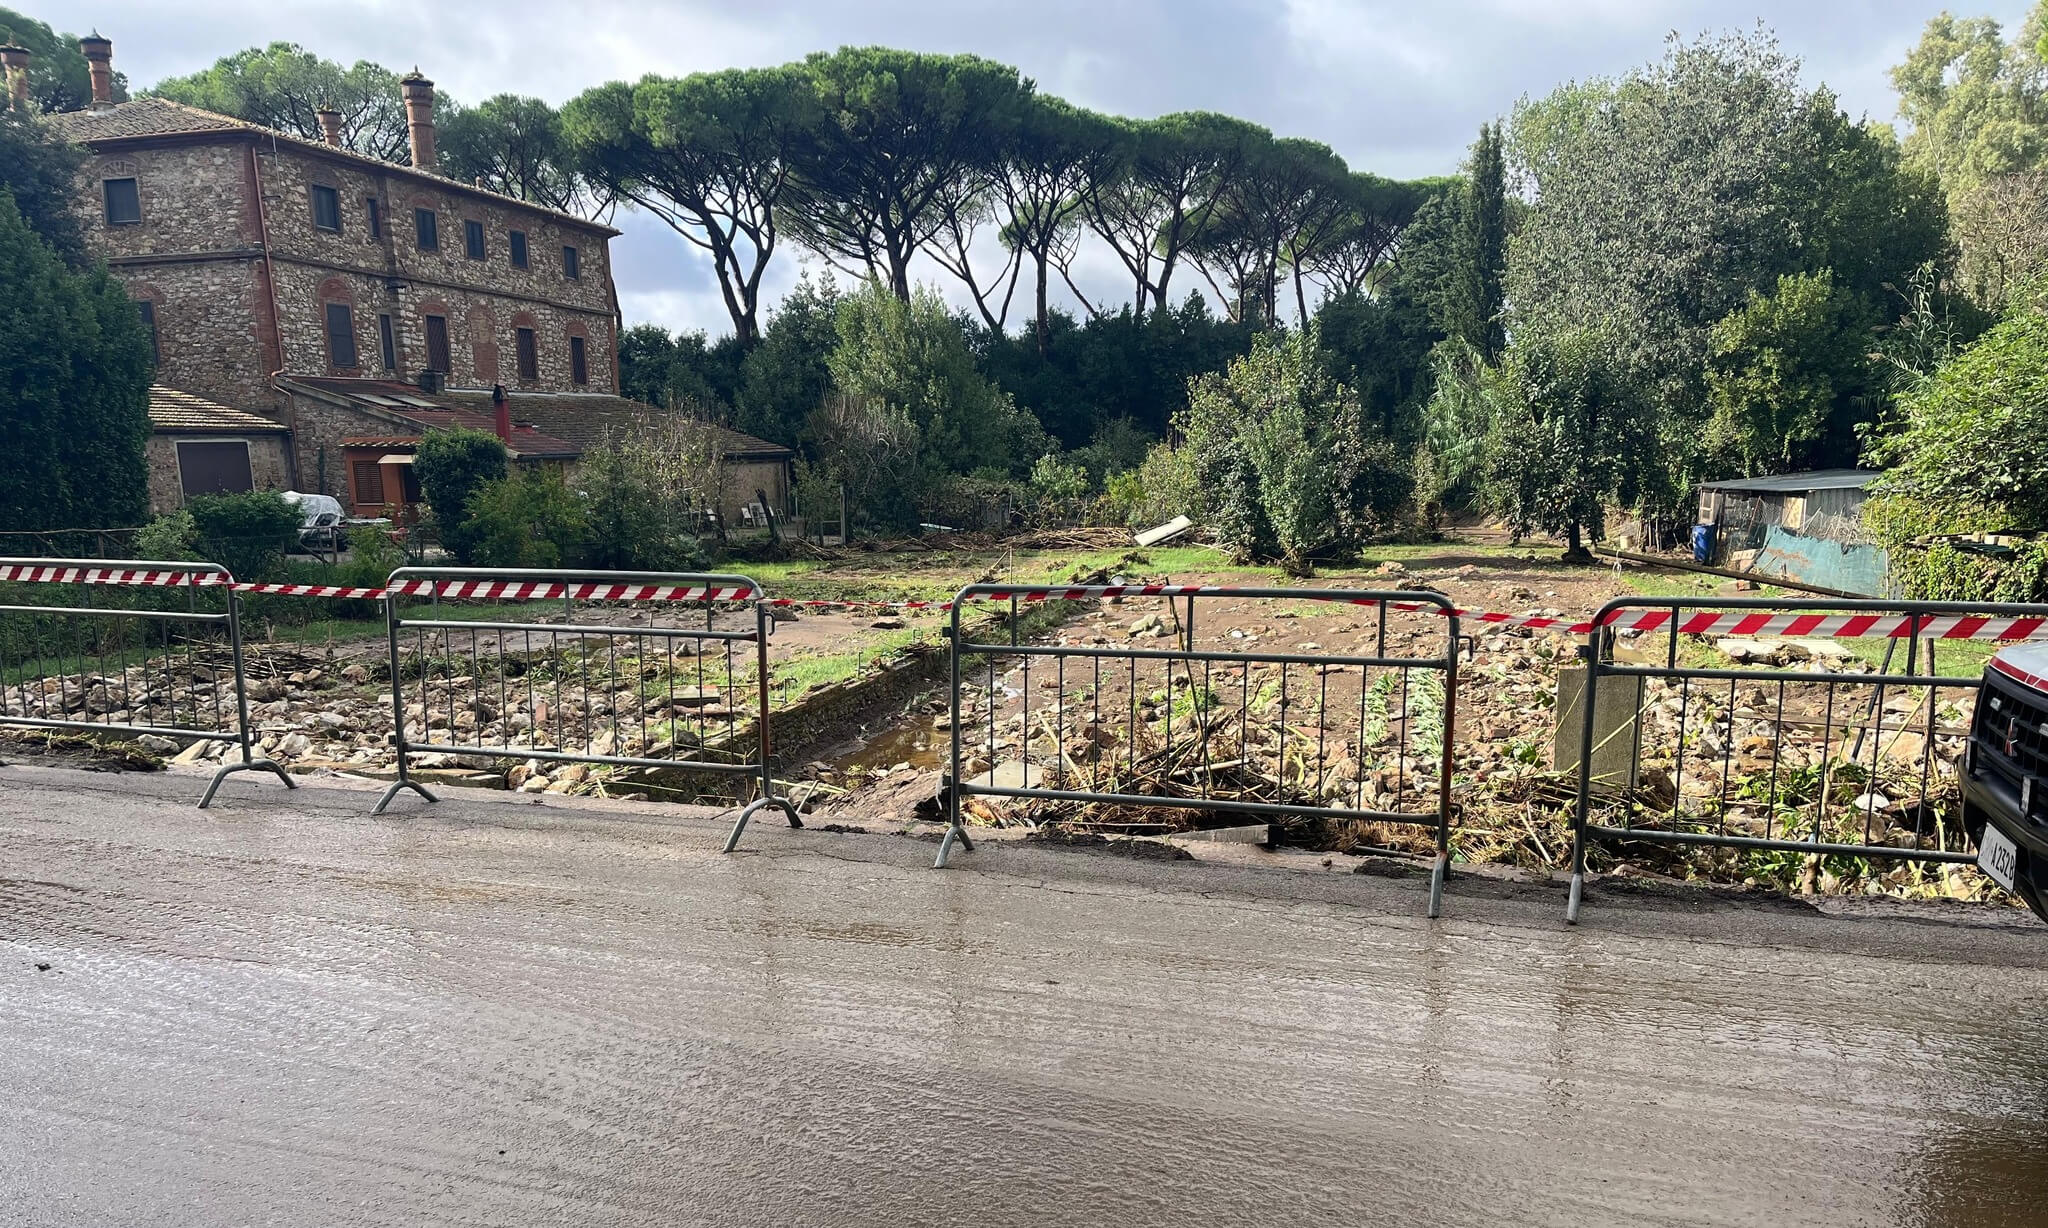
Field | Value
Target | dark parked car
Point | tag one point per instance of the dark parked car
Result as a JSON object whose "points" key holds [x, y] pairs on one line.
{"points": [[2005, 776]]}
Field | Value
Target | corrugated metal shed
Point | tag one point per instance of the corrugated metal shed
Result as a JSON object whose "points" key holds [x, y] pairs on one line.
{"points": [[1799, 483]]}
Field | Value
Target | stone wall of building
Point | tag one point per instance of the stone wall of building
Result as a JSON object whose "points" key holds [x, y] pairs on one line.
{"points": [[484, 301], [195, 198], [318, 427], [194, 256], [211, 321]]}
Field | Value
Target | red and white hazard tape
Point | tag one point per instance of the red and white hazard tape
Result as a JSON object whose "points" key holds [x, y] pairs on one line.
{"points": [[1706, 622], [310, 590], [1830, 626], [113, 575], [511, 590]]}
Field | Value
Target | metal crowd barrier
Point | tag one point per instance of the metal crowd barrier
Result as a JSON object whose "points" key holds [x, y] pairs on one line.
{"points": [[617, 681], [124, 657], [1680, 750], [1292, 732]]}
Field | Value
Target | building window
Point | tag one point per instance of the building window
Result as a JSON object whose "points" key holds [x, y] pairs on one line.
{"points": [[473, 240], [579, 365], [368, 480], [148, 310], [387, 342], [341, 337], [518, 245], [124, 202], [437, 343], [571, 265], [326, 208], [428, 228], [213, 467], [529, 354], [375, 213]]}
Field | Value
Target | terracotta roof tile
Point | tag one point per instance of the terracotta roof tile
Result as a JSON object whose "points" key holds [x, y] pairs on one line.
{"points": [[172, 410]]}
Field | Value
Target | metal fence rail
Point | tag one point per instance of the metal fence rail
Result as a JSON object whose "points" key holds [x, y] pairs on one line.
{"points": [[1304, 731], [1777, 752], [660, 674], [127, 646]]}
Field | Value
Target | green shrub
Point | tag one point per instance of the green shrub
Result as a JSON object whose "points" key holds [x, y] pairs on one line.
{"points": [[171, 539], [636, 520], [248, 533], [977, 503], [1155, 492], [527, 520], [1968, 453], [452, 466], [1284, 464]]}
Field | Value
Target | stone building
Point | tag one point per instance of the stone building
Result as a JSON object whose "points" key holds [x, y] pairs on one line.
{"points": [[277, 274], [200, 447]]}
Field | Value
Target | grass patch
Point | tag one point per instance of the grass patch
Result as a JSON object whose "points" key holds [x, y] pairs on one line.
{"points": [[810, 671]]}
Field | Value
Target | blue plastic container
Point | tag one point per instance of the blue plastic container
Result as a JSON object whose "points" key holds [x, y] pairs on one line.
{"points": [[1703, 543]]}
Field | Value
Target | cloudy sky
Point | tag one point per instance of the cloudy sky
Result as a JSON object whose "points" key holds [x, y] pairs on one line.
{"points": [[1395, 86]]}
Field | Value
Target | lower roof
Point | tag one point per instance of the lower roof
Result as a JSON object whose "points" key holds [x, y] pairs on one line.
{"points": [[172, 412], [566, 423], [1799, 483]]}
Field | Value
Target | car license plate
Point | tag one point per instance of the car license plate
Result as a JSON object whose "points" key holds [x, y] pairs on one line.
{"points": [[1998, 856]]}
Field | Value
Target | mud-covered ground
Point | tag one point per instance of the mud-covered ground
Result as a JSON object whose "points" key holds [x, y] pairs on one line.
{"points": [[1352, 717]]}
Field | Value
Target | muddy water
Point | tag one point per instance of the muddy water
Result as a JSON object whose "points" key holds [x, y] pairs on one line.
{"points": [[912, 741], [487, 1017]]}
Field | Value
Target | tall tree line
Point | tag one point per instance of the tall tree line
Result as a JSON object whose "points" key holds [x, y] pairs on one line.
{"points": [[871, 158]]}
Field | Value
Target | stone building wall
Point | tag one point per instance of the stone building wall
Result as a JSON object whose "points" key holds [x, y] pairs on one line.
{"points": [[318, 427], [211, 321], [195, 198], [196, 256], [483, 300]]}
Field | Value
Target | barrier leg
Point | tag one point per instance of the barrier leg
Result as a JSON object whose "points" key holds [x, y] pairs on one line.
{"points": [[1594, 651], [956, 833], [1436, 884], [739, 827], [253, 765], [243, 741], [405, 780], [400, 784], [956, 830]]}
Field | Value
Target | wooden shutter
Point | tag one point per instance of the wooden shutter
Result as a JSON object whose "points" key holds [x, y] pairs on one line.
{"points": [[341, 336], [437, 343], [369, 484]]}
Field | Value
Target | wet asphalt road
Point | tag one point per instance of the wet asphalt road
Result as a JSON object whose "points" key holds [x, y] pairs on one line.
{"points": [[283, 1012]]}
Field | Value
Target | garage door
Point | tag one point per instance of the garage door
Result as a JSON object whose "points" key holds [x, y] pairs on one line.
{"points": [[211, 468]]}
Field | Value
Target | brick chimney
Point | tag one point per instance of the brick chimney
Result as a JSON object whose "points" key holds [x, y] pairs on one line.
{"points": [[330, 125], [99, 60], [419, 118], [14, 70], [502, 408]]}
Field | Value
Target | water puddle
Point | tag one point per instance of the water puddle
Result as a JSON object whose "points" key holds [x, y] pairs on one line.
{"points": [[914, 742]]}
